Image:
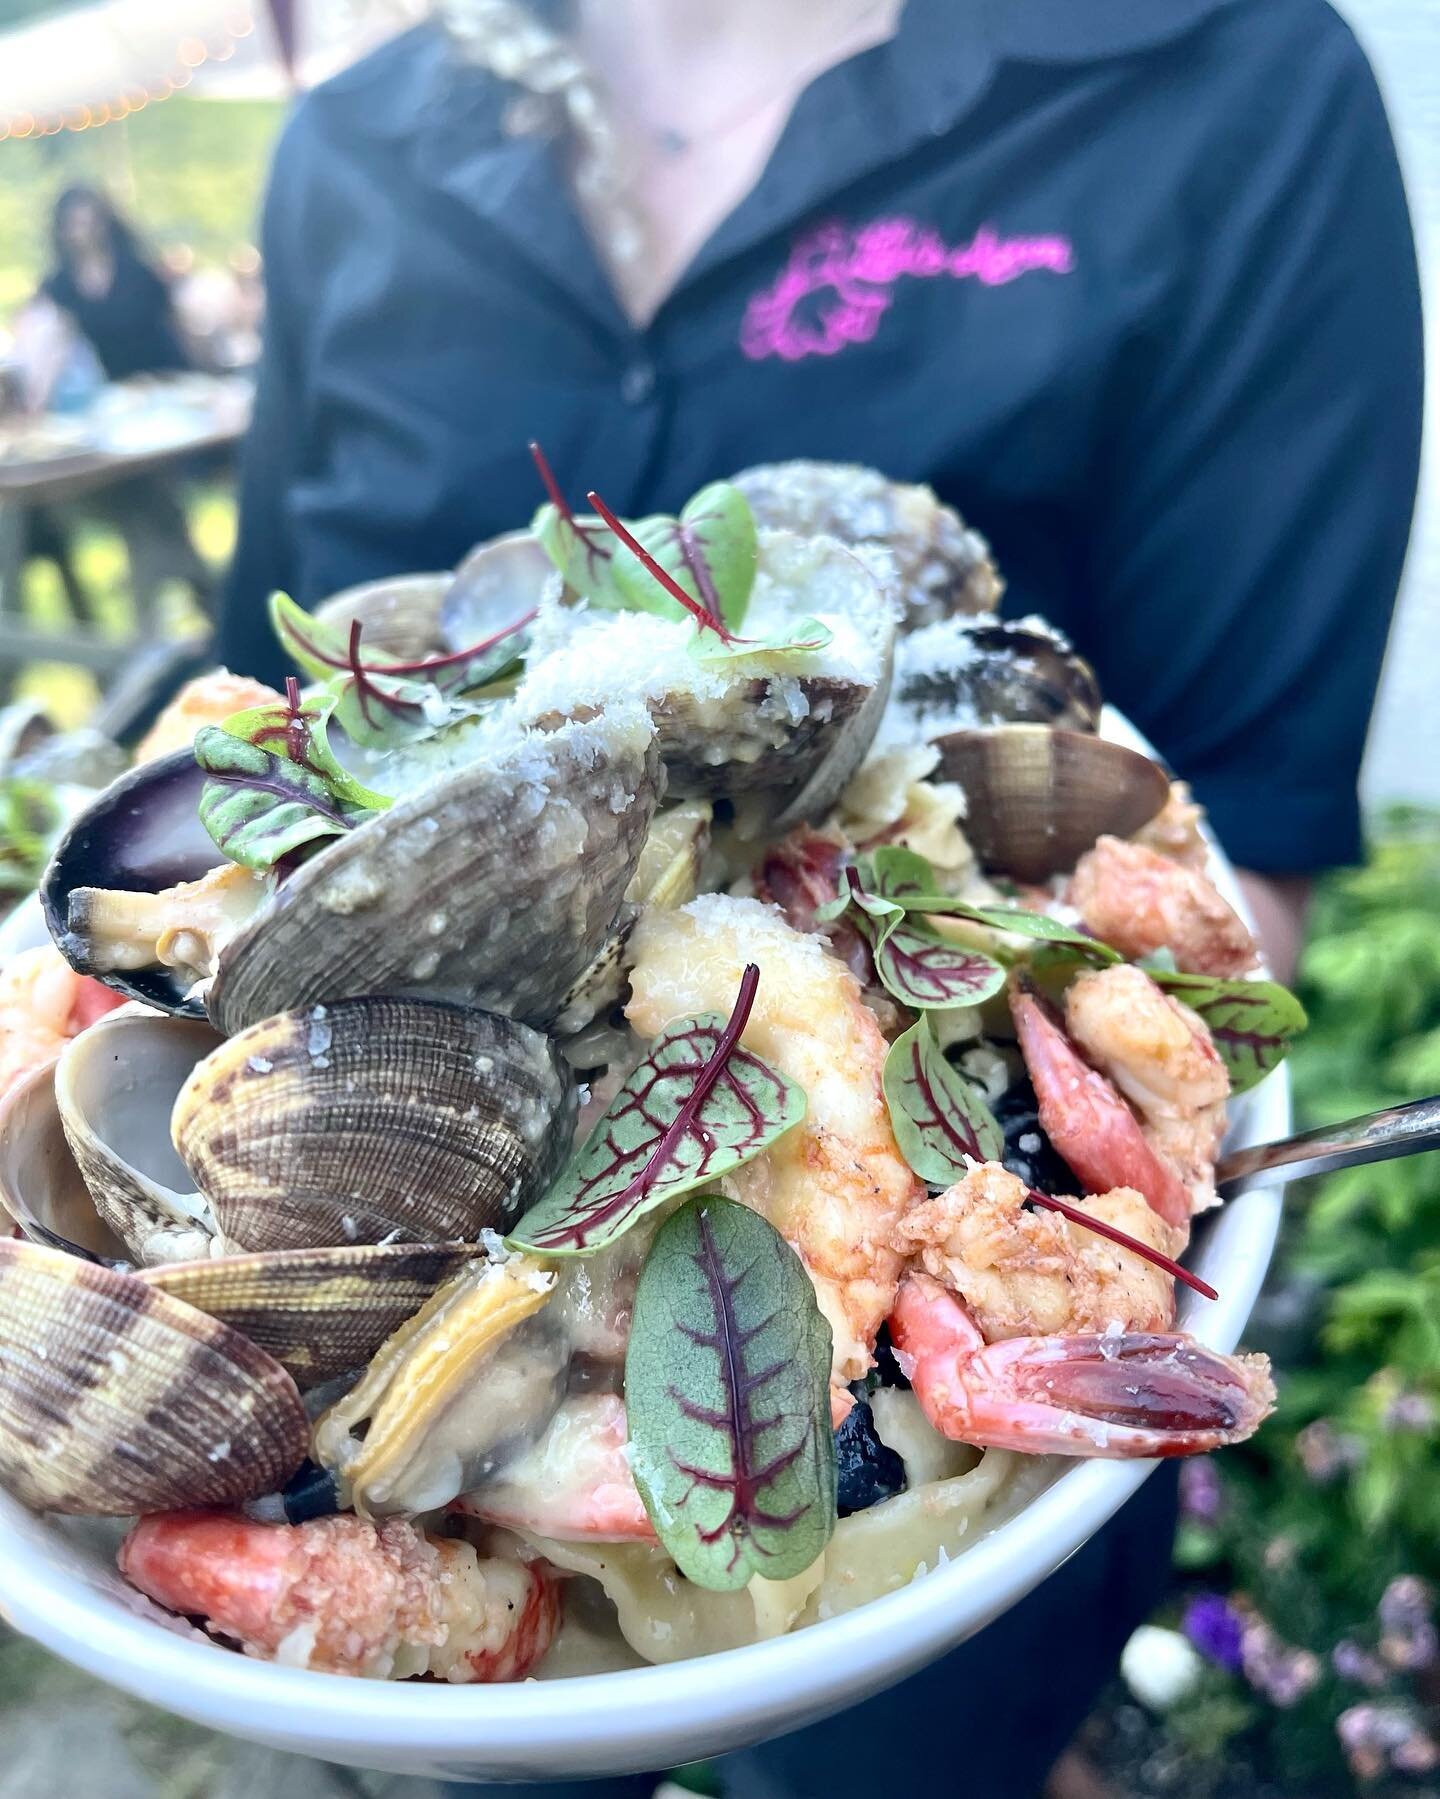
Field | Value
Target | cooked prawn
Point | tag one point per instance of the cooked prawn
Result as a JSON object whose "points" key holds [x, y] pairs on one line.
{"points": [[43, 1003], [1084, 1116], [1139, 901], [836, 1186], [1114, 1393], [575, 1482], [1034, 1274], [346, 1597], [1174, 832], [1161, 1057]]}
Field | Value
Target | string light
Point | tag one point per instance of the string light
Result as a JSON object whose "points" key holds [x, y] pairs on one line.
{"points": [[191, 53]]}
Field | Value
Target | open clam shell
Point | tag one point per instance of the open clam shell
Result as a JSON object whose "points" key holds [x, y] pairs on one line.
{"points": [[1037, 799], [400, 614], [472, 1376], [117, 1398], [496, 584], [963, 674], [943, 566], [492, 886], [372, 1119], [41, 1186], [319, 1312], [140, 835], [115, 1085]]}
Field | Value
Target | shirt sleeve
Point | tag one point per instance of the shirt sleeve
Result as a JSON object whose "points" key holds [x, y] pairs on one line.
{"points": [[1253, 503], [273, 452]]}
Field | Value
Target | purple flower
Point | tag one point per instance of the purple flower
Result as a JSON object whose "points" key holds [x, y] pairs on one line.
{"points": [[1276, 1670], [1202, 1499], [1216, 1629], [1408, 1637], [1325, 1453], [1376, 1736], [1409, 1411], [1354, 1663]]}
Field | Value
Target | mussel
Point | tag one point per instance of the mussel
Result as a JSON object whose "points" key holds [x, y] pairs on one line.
{"points": [[1038, 798], [320, 1312], [476, 1373], [942, 566], [964, 673], [493, 881], [373, 1119], [115, 1085], [118, 1398]]}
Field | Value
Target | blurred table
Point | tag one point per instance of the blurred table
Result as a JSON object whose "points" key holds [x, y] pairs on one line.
{"points": [[133, 429]]}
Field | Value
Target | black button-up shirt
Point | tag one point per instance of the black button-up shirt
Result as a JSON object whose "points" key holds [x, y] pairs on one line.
{"points": [[1129, 281]]}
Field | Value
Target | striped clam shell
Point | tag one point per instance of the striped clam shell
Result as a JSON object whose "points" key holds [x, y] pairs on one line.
{"points": [[372, 1119], [319, 1312], [116, 1398]]}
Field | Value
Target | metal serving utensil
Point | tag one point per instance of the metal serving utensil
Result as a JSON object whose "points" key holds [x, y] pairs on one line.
{"points": [[1377, 1136]]}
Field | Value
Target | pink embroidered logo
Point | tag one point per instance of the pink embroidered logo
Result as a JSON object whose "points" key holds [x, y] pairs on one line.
{"points": [[847, 277]]}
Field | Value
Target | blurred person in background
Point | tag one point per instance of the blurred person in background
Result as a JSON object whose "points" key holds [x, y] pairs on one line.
{"points": [[105, 307], [1130, 284]]}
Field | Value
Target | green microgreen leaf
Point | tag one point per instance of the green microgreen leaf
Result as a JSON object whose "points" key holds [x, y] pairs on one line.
{"points": [[698, 1106], [1251, 1022], [726, 1392], [803, 638], [925, 970], [581, 546], [297, 729], [940, 1120], [710, 551]]}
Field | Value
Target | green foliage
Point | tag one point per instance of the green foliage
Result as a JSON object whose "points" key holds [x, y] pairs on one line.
{"points": [[188, 171], [1340, 1493]]}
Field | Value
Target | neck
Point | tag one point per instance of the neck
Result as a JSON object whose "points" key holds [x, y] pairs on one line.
{"points": [[697, 34]]}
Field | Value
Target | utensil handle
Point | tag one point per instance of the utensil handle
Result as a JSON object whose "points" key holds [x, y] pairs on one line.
{"points": [[1396, 1131]]}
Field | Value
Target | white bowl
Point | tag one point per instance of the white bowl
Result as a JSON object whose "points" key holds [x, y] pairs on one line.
{"points": [[62, 1590]]}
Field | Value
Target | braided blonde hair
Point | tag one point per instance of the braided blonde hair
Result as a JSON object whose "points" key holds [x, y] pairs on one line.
{"points": [[557, 92]]}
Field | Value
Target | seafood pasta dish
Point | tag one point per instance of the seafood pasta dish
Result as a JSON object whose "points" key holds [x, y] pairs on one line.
{"points": [[639, 1104]]}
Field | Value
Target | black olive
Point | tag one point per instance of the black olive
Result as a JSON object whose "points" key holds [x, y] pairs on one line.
{"points": [[868, 1470], [1029, 1153]]}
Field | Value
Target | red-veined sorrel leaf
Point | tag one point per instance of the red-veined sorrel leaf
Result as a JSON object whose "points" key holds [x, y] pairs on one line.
{"points": [[898, 875], [696, 1107], [1078, 1216], [297, 728], [727, 1396], [714, 640], [381, 701], [582, 547], [258, 806], [940, 1120], [1251, 1022], [923, 970], [710, 551]]}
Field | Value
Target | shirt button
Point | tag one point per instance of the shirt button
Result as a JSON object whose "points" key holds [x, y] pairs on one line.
{"points": [[637, 383]]}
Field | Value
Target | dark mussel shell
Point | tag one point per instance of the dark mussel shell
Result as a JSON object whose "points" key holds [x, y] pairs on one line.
{"points": [[142, 834], [990, 671]]}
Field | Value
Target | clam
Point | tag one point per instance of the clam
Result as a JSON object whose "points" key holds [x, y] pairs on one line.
{"points": [[942, 565], [400, 614], [476, 1373], [373, 1119], [41, 1187], [741, 724], [961, 674], [1037, 798], [118, 1398], [319, 1312], [497, 583], [492, 881], [115, 1085]]}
